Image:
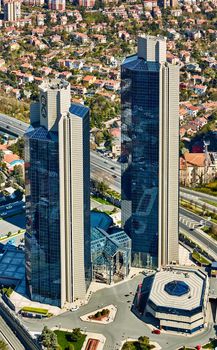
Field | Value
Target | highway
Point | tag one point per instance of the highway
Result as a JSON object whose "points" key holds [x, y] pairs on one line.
{"points": [[106, 170], [190, 227], [9, 337], [12, 125], [100, 166], [18, 329], [200, 195]]}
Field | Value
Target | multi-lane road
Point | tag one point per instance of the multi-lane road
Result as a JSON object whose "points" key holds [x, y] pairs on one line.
{"points": [[190, 225], [12, 126], [101, 167], [110, 171]]}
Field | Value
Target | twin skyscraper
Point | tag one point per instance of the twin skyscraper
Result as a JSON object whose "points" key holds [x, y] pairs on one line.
{"points": [[58, 239]]}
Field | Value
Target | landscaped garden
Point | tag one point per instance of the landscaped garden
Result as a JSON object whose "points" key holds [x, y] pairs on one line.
{"points": [[211, 346], [70, 340], [7, 290], [199, 258], [141, 344], [100, 315]]}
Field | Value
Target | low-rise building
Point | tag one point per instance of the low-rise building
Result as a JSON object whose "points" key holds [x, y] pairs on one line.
{"points": [[178, 299], [197, 168]]}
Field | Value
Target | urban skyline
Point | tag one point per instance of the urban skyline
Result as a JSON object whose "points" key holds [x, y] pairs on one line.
{"points": [[108, 174]]}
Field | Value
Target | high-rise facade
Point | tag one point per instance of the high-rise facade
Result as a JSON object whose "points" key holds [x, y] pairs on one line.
{"points": [[58, 259], [149, 153], [12, 10]]}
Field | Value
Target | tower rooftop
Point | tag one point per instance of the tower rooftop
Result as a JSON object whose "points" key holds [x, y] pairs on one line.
{"points": [[53, 84]]}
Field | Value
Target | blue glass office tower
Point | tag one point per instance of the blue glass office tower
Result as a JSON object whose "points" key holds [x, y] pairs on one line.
{"points": [[58, 259], [149, 153]]}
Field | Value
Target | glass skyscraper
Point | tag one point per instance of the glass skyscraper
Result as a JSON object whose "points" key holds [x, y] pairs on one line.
{"points": [[58, 259], [149, 153]]}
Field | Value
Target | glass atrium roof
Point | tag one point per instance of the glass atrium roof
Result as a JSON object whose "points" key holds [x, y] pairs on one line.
{"points": [[177, 288], [108, 245]]}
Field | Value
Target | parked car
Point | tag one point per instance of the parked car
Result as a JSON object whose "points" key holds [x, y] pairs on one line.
{"points": [[156, 331]]}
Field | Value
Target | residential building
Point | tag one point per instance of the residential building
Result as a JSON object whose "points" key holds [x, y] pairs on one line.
{"points": [[87, 3], [166, 3], [58, 264], [58, 5], [197, 168], [12, 10], [34, 2], [150, 153]]}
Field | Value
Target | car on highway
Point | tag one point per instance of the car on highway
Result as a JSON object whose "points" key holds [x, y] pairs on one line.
{"points": [[112, 167], [114, 176]]}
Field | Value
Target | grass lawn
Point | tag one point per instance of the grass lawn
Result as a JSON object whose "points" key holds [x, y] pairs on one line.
{"points": [[135, 345], [100, 200], [210, 188], [35, 310], [8, 291], [198, 257], [64, 343]]}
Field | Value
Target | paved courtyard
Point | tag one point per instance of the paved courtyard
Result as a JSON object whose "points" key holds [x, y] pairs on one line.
{"points": [[125, 325]]}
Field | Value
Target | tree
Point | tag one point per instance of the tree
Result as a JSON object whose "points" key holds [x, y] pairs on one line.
{"points": [[127, 346], [18, 174], [49, 339], [2, 179], [102, 187], [18, 148], [1, 156], [3, 345]]}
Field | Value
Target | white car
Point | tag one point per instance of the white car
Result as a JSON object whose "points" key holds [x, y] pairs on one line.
{"points": [[74, 308]]}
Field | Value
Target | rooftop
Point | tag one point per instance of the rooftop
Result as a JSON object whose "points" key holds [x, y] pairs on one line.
{"points": [[180, 289], [53, 84], [78, 109]]}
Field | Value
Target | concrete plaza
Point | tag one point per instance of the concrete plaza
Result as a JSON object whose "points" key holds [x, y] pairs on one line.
{"points": [[126, 324]]}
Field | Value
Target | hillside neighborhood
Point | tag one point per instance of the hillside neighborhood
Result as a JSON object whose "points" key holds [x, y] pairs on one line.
{"points": [[86, 48]]}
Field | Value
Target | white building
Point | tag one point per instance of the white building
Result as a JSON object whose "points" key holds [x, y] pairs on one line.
{"points": [[178, 299]]}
